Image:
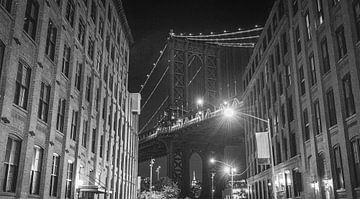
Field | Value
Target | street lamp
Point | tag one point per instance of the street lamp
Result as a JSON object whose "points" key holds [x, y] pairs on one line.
{"points": [[212, 185], [199, 102], [270, 146], [229, 112], [228, 169], [152, 161]]}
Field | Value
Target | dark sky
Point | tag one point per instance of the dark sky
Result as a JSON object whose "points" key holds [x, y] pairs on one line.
{"points": [[151, 21]]}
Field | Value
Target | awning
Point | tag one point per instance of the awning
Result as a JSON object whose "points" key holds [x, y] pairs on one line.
{"points": [[91, 188]]}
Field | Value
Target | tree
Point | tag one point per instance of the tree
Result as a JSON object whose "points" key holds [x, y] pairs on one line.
{"points": [[165, 188]]}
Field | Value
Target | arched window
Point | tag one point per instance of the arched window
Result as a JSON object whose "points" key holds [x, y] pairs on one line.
{"points": [[35, 173], [355, 148], [11, 164]]}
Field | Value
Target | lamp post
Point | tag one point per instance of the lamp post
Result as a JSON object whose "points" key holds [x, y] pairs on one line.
{"points": [[158, 172], [212, 185], [152, 161], [230, 169], [271, 149]]}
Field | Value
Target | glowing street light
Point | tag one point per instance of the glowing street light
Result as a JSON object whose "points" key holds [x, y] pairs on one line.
{"points": [[229, 112], [199, 101], [228, 169]]}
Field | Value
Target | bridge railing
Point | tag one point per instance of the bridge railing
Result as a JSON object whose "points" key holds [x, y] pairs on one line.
{"points": [[185, 122]]}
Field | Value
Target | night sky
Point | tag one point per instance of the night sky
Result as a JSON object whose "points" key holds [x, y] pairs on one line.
{"points": [[151, 21]]}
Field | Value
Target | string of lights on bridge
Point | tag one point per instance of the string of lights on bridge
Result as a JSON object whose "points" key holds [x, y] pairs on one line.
{"points": [[220, 39]]}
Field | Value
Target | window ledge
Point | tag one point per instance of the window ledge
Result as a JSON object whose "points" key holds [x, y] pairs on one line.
{"points": [[350, 117], [342, 58], [30, 38], [20, 109], [7, 194]]}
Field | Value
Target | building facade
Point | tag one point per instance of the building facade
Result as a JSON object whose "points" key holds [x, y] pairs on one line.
{"points": [[304, 77], [68, 123]]}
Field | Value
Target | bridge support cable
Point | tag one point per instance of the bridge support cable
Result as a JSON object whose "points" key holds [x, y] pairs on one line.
{"points": [[157, 85], [218, 35], [157, 110], [154, 67]]}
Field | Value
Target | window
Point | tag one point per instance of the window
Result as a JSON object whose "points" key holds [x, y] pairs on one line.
{"points": [[69, 179], [274, 22], [106, 74], [312, 70], [269, 35], [348, 95], [101, 26], [355, 147], [31, 16], [88, 89], [93, 141], [298, 184], [307, 23], [284, 43], [109, 14], [91, 48], [84, 134], [74, 122], [70, 12], [325, 56], [317, 117], [6, 4], [288, 75], [341, 42], [281, 9], [356, 6], [302, 80], [11, 164], [35, 173], [335, 2], [290, 109], [22, 85], [2, 52], [331, 108], [61, 115], [66, 60], [277, 54], [306, 125], [97, 101], [320, 11], [297, 39], [101, 146], [93, 11], [295, 6], [104, 108], [78, 76], [51, 40], [107, 43], [99, 60], [339, 174], [44, 102], [54, 175], [81, 32]]}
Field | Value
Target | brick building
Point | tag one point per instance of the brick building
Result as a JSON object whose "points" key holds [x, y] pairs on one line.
{"points": [[304, 77], [68, 123]]}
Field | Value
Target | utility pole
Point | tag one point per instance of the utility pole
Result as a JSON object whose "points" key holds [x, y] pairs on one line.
{"points": [[152, 161]]}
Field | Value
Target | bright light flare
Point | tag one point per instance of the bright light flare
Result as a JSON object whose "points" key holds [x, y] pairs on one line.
{"points": [[212, 160], [229, 112], [200, 102]]}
